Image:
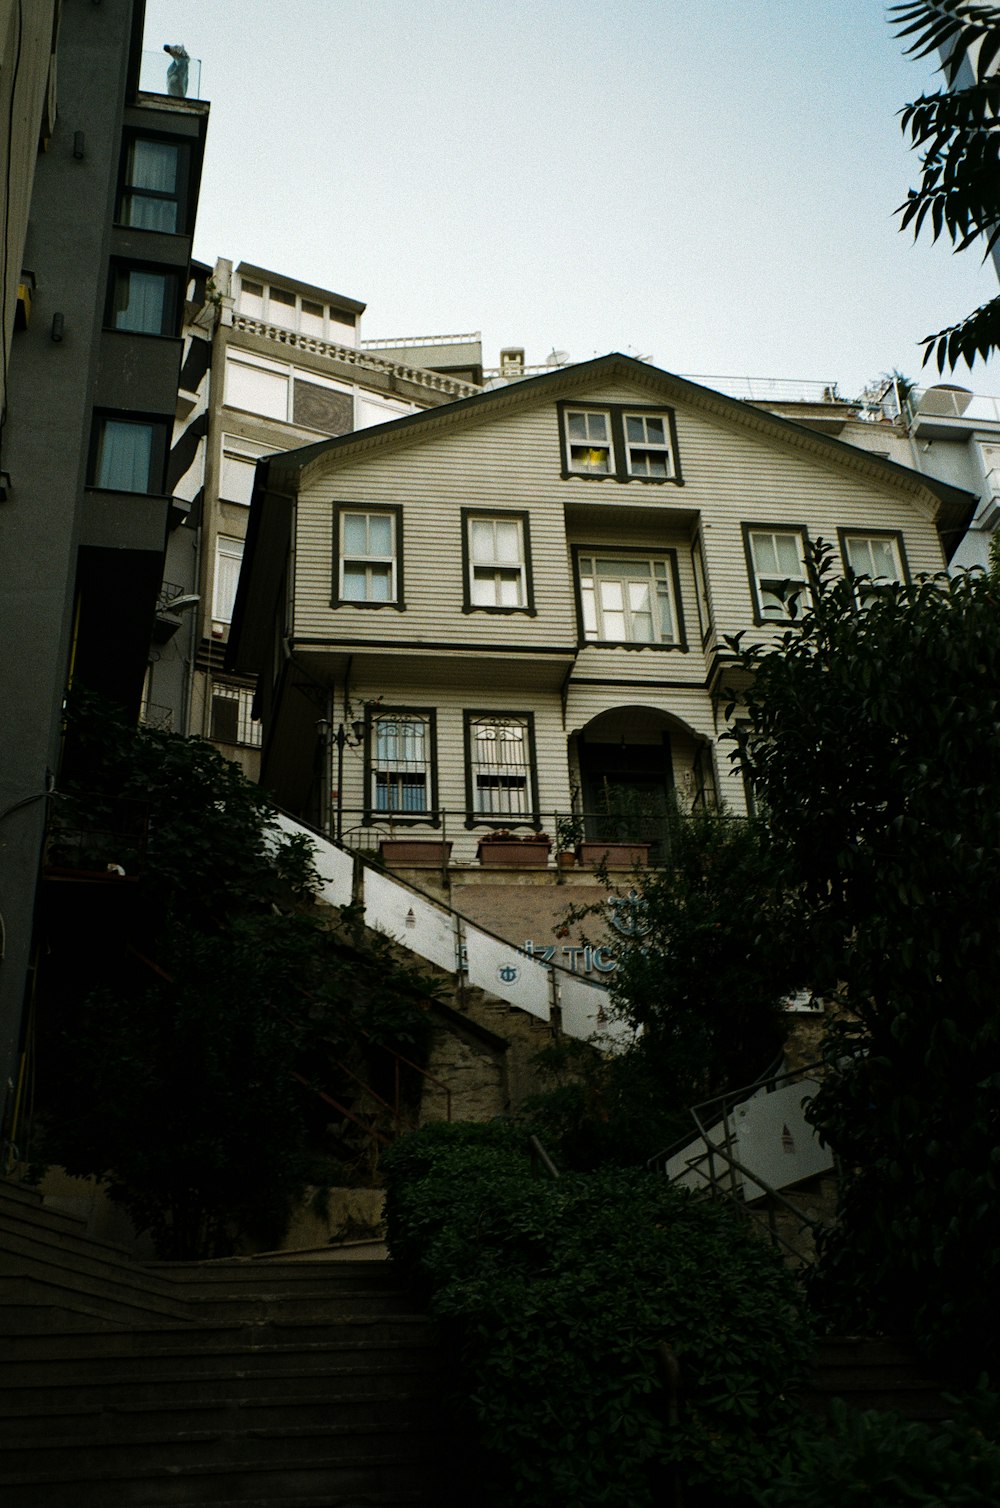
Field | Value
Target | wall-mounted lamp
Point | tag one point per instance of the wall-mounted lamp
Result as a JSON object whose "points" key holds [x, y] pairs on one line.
{"points": [[178, 604], [79, 145], [58, 325], [6, 485]]}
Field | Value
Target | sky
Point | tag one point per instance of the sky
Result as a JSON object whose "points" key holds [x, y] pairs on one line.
{"points": [[709, 186]]}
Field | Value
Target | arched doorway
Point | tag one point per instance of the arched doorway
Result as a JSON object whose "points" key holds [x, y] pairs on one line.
{"points": [[629, 763]]}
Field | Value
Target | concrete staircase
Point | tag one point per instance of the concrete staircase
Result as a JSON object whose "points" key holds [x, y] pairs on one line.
{"points": [[251, 1382]]}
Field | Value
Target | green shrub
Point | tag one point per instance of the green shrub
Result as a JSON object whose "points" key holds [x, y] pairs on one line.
{"points": [[870, 1460], [557, 1295]]}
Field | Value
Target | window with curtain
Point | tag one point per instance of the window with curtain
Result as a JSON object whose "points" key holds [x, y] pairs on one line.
{"points": [[780, 573], [497, 574], [400, 762], [126, 453], [143, 301], [152, 191], [627, 600], [228, 559], [368, 565], [500, 760]]}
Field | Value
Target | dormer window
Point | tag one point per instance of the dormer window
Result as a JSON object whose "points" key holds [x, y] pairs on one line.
{"points": [[627, 444], [588, 442]]}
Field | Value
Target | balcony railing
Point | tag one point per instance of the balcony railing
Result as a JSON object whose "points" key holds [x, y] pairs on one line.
{"points": [[453, 838], [161, 72], [952, 403], [385, 343]]}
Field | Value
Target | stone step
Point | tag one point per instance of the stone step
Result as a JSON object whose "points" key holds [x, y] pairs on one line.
{"points": [[277, 1276], [72, 1386], [374, 1330], [59, 1299], [176, 1408], [29, 1198], [75, 1362], [75, 1263], [250, 1475]]}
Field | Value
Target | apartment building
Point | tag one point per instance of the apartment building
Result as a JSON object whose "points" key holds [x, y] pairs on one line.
{"points": [[101, 187], [271, 363]]}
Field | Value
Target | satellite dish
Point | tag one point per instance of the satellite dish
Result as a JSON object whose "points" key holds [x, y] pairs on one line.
{"points": [[557, 358]]}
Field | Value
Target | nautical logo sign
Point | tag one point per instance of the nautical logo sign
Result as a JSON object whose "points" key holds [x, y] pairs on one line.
{"points": [[628, 915], [508, 973]]}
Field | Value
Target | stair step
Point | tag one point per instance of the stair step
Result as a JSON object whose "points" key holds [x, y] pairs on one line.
{"points": [[250, 1474], [30, 1198], [91, 1414]]}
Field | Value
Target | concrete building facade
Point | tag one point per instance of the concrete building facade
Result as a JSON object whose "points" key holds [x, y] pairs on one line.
{"points": [[90, 383]]}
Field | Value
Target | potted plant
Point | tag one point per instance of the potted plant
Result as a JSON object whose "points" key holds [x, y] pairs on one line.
{"points": [[505, 848], [569, 834], [621, 830], [415, 851]]}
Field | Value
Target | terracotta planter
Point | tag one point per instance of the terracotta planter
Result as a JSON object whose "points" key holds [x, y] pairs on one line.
{"points": [[565, 859], [612, 854], [513, 854], [424, 852]]}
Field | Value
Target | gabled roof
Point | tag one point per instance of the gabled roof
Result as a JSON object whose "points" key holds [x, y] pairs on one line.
{"points": [[953, 506]]}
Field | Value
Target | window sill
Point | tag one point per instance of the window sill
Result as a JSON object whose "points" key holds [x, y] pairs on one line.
{"points": [[338, 602]]}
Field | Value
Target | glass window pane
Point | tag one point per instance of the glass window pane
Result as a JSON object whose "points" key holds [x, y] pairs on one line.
{"points": [[140, 301], [150, 214], [597, 427], [788, 554], [482, 539], [577, 426], [483, 590], [510, 589], [764, 558], [354, 583], [124, 456], [883, 560], [508, 541], [634, 429], [154, 166], [656, 432], [380, 581], [355, 534], [379, 534]]}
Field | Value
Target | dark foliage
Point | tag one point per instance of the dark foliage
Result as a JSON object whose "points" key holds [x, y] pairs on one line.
{"points": [[178, 1007], [874, 749], [957, 132], [701, 979], [556, 1296]]}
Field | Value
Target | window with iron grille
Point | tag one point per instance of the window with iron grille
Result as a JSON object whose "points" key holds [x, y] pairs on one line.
{"points": [[231, 716], [401, 762], [501, 778]]}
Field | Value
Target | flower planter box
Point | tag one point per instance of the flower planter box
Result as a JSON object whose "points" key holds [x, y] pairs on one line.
{"points": [[414, 851], [612, 854], [513, 854]]}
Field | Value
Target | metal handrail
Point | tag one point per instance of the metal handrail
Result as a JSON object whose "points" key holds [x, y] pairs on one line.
{"points": [[717, 1185]]}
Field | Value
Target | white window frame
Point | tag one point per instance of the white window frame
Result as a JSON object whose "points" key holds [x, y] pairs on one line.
{"points": [[374, 563], [239, 362], [401, 763], [646, 447], [592, 444], [274, 304], [501, 766], [780, 596], [659, 581], [489, 573], [228, 561], [874, 580], [239, 453]]}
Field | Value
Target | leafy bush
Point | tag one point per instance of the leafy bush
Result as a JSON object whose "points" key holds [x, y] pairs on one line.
{"points": [[885, 821], [871, 1459], [557, 1295]]}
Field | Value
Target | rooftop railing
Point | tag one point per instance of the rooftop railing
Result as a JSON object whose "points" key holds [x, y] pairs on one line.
{"points": [[387, 343]]}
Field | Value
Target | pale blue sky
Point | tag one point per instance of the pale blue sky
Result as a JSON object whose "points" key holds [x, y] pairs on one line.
{"points": [[708, 185]]}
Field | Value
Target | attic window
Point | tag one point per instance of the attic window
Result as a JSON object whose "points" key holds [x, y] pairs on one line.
{"points": [[627, 444]]}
